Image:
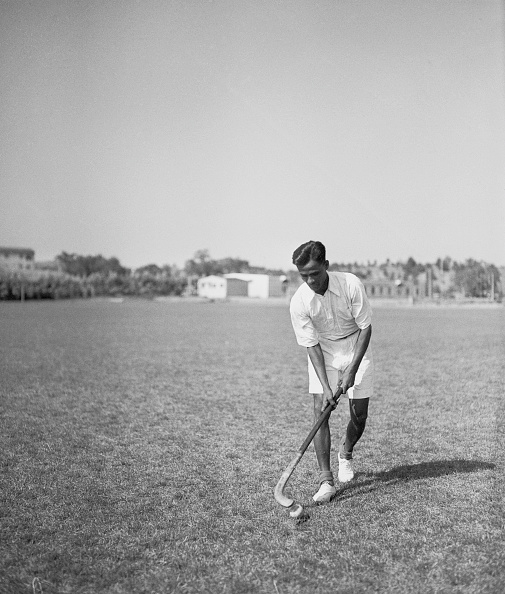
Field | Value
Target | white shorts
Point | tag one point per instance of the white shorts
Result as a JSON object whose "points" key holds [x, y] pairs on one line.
{"points": [[338, 355]]}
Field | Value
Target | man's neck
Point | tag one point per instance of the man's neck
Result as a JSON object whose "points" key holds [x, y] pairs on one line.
{"points": [[324, 288]]}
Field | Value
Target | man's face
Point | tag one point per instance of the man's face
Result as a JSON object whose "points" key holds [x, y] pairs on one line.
{"points": [[315, 275]]}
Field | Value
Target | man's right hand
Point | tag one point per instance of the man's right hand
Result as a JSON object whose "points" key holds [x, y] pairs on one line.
{"points": [[328, 399]]}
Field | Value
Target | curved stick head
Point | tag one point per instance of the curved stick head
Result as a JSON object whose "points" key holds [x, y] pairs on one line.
{"points": [[284, 500], [279, 495]]}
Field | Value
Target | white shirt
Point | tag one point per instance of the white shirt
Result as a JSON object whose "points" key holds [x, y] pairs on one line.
{"points": [[341, 311]]}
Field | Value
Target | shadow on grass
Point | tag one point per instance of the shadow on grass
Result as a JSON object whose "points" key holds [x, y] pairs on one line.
{"points": [[366, 482]]}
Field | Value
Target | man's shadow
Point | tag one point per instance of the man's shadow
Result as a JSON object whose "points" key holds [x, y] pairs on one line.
{"points": [[369, 481]]}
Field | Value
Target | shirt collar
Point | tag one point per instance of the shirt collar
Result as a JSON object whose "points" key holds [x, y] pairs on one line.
{"points": [[334, 285]]}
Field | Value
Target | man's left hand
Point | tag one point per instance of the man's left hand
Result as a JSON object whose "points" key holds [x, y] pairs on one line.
{"points": [[348, 380]]}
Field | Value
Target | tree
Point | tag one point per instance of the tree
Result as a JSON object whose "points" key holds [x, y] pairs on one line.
{"points": [[150, 269], [227, 265], [475, 279], [85, 266], [445, 264], [201, 265], [412, 268]]}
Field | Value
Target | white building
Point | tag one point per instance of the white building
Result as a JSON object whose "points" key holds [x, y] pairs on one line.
{"points": [[257, 283], [16, 259], [212, 287], [240, 284], [261, 286]]}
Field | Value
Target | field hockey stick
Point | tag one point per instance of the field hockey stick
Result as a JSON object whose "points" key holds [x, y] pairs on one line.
{"points": [[296, 509]]}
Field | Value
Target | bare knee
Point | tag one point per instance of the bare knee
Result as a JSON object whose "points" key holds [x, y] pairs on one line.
{"points": [[362, 417], [359, 411]]}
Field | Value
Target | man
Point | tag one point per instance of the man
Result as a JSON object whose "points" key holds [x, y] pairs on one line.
{"points": [[331, 317]]}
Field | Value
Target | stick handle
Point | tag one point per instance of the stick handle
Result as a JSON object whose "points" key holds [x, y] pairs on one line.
{"points": [[324, 415], [279, 489]]}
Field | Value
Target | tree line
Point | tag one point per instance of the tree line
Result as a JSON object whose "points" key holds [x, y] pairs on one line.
{"points": [[74, 275]]}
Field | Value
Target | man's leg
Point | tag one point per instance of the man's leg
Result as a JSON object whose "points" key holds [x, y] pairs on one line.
{"points": [[322, 443], [322, 439], [358, 409]]}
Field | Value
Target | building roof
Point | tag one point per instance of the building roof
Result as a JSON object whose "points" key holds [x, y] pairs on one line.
{"points": [[222, 278], [9, 251], [247, 276], [211, 276]]}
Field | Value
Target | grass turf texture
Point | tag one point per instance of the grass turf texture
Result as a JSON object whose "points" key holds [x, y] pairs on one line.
{"points": [[140, 443]]}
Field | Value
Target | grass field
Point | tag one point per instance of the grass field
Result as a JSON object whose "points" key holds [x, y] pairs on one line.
{"points": [[141, 441]]}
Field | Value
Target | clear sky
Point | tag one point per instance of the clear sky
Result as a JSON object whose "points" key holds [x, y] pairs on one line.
{"points": [[150, 129]]}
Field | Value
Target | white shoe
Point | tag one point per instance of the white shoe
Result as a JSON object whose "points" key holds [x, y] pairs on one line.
{"points": [[345, 471], [325, 493]]}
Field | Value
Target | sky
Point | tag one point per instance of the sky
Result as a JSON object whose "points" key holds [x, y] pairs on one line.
{"points": [[147, 130]]}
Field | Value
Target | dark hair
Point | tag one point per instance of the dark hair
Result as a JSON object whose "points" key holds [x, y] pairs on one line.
{"points": [[311, 250]]}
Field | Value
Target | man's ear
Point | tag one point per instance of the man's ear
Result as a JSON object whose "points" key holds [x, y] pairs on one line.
{"points": [[326, 264]]}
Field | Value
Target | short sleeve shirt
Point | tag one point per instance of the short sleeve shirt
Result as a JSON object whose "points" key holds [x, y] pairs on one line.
{"points": [[341, 311]]}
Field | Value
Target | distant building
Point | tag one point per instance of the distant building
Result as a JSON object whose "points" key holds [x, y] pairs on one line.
{"points": [[379, 288], [49, 265], [212, 287], [261, 286], [236, 287], [386, 289], [218, 287], [17, 259], [239, 284]]}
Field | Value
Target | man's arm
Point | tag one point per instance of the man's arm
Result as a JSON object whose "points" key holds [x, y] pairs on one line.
{"points": [[317, 359], [361, 346]]}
